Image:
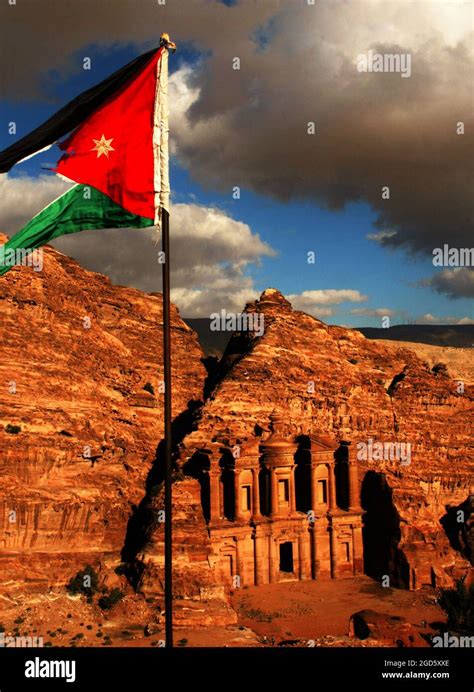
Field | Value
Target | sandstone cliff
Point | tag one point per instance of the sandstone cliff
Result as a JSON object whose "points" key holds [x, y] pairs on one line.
{"points": [[81, 419], [80, 415], [333, 381]]}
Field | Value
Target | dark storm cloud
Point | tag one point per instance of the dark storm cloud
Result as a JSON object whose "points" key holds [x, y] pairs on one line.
{"points": [[455, 283], [372, 130], [45, 35]]}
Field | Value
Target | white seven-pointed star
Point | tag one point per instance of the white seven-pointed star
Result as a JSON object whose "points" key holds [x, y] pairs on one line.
{"points": [[103, 146]]}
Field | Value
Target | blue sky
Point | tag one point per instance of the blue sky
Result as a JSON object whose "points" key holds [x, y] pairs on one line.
{"points": [[345, 257]]}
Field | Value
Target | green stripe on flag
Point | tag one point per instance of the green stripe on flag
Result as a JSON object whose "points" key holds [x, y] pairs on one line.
{"points": [[81, 208]]}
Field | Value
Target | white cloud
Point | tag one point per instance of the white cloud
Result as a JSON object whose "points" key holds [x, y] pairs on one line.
{"points": [[211, 252], [373, 312], [380, 236], [22, 197], [203, 302], [316, 302], [431, 319], [329, 296], [317, 311], [428, 319]]}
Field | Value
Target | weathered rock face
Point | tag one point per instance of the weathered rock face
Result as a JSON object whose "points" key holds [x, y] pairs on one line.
{"points": [[78, 428], [333, 381], [459, 361], [195, 575], [79, 432]]}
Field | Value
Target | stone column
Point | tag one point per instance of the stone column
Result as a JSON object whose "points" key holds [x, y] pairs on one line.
{"points": [[353, 551], [332, 504], [214, 490], [314, 490], [272, 560], [237, 497], [296, 557], [314, 548], [221, 493], [255, 495], [292, 489], [239, 562], [258, 557], [274, 505], [357, 549], [304, 555], [354, 502], [334, 555]]}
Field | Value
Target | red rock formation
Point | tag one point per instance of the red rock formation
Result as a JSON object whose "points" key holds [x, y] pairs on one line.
{"points": [[195, 574], [78, 429], [326, 380]]}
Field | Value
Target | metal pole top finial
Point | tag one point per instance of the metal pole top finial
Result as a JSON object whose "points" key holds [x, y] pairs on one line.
{"points": [[166, 42]]}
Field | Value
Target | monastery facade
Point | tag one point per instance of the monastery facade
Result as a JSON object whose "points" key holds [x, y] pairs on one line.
{"points": [[282, 509]]}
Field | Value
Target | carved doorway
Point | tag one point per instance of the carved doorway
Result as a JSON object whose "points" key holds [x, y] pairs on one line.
{"points": [[286, 557]]}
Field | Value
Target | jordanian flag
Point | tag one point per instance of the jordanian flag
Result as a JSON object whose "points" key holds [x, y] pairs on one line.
{"points": [[116, 152]]}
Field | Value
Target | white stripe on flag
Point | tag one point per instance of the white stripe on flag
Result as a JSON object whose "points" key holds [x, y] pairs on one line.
{"points": [[30, 156], [160, 139]]}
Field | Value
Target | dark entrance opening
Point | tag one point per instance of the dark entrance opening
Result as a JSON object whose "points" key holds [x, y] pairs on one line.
{"points": [[303, 474], [457, 523], [228, 482], [381, 532], [198, 467], [286, 557], [264, 486], [227, 464], [341, 473]]}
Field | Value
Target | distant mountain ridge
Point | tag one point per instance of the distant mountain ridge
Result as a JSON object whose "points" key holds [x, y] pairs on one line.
{"points": [[454, 336], [457, 336]]}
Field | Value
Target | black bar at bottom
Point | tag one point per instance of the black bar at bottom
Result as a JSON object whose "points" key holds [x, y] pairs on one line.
{"points": [[354, 668]]}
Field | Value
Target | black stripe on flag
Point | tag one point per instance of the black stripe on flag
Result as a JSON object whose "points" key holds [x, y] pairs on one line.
{"points": [[71, 115]]}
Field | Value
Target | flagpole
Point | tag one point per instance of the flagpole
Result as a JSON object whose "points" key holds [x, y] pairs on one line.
{"points": [[167, 431], [166, 44]]}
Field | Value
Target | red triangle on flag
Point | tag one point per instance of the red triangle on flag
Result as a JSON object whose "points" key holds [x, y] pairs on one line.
{"points": [[112, 150]]}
